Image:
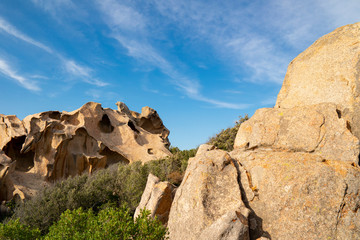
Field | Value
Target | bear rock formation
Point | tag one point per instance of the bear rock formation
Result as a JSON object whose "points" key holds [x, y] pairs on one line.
{"points": [[54, 145]]}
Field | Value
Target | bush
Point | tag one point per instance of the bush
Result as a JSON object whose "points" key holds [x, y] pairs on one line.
{"points": [[112, 186], [110, 223], [225, 139], [82, 191], [15, 230]]}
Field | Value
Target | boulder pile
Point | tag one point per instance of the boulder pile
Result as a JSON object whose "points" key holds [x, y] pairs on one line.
{"points": [[53, 145], [294, 172]]}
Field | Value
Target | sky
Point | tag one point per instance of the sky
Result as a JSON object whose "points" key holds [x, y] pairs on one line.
{"points": [[201, 64]]}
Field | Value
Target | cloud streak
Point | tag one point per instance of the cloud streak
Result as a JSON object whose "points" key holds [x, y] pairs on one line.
{"points": [[8, 71], [83, 72], [11, 30], [261, 38], [73, 68], [129, 28]]}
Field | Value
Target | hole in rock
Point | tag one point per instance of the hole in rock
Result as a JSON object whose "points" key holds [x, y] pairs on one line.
{"points": [[338, 113], [149, 126], [105, 124], [52, 114], [15, 125], [150, 151], [132, 126], [348, 126], [70, 119], [24, 161], [113, 157]]}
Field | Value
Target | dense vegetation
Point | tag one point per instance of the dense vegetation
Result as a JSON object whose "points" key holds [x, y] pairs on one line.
{"points": [[115, 186], [225, 139], [110, 223]]}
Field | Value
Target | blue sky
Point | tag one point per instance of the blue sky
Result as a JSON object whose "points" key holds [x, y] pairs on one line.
{"points": [[200, 64]]}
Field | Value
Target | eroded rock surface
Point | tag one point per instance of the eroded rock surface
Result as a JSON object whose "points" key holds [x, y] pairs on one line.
{"points": [[207, 198], [54, 145]]}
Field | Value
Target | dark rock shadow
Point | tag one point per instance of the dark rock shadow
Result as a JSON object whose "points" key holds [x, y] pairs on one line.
{"points": [[255, 222]]}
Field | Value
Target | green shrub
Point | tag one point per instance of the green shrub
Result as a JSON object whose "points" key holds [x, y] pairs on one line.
{"points": [[110, 223], [15, 230], [112, 186], [225, 139]]}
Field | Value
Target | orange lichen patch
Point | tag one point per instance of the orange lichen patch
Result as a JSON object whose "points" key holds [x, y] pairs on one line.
{"points": [[266, 165], [340, 167], [247, 128], [352, 226]]}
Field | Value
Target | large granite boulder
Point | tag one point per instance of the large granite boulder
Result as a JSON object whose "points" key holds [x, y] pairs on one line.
{"points": [[54, 145], [207, 204], [328, 71]]}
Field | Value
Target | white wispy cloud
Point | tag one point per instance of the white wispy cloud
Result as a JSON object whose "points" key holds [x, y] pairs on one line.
{"points": [[73, 68], [11, 30], [122, 17], [83, 72], [55, 7], [8, 71], [128, 27], [261, 38]]}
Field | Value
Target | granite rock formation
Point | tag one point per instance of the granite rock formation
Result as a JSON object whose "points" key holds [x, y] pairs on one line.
{"points": [[302, 156], [294, 172], [54, 145]]}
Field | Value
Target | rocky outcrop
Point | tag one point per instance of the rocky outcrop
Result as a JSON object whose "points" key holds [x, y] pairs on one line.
{"points": [[302, 156], [207, 204], [294, 172], [54, 145], [157, 197]]}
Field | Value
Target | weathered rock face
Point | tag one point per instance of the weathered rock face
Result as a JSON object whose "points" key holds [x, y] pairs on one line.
{"points": [[301, 158], [53, 145], [208, 202], [302, 195], [319, 128], [328, 71], [10, 127], [157, 198]]}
